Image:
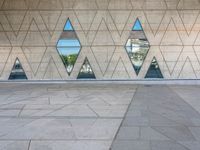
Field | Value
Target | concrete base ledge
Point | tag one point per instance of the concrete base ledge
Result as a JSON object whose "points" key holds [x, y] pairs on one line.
{"points": [[148, 82]]}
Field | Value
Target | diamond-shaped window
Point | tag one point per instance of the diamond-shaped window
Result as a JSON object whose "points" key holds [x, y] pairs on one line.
{"points": [[68, 47], [86, 71], [17, 72], [137, 46], [154, 70]]}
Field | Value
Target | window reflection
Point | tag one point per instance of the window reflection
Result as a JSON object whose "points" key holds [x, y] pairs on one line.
{"points": [[137, 46], [68, 47], [154, 70], [86, 71], [17, 71]]}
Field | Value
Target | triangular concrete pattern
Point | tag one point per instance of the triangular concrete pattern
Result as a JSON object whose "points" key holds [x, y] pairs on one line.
{"points": [[86, 19], [171, 55], [189, 4], [67, 4], [172, 4], [30, 16], [51, 53], [187, 72], [189, 18], [32, 4], [103, 56], [102, 4], [154, 19], [50, 19], [120, 71], [187, 53], [137, 4], [154, 4], [4, 54], [120, 53], [4, 39], [49, 4], [103, 21], [17, 52], [34, 37], [171, 36], [15, 19], [52, 72], [14, 4], [103, 35], [120, 19], [197, 52], [85, 4], [120, 4], [34, 55]]}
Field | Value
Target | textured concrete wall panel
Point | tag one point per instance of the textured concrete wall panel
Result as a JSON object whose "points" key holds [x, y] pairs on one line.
{"points": [[30, 29]]}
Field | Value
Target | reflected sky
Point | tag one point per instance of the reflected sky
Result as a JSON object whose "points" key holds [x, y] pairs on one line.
{"points": [[137, 26], [68, 46], [68, 43], [68, 26], [136, 48]]}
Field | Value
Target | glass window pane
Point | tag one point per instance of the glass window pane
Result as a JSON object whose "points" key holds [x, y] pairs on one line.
{"points": [[17, 71], [137, 46], [86, 71], [68, 47], [154, 70], [69, 43], [68, 26]]}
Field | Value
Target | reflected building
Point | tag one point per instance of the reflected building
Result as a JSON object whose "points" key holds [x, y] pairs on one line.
{"points": [[17, 72], [137, 46], [154, 70], [86, 71]]}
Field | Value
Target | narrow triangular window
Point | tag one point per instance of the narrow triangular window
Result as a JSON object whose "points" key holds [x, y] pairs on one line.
{"points": [[137, 26], [86, 71], [68, 26], [137, 46], [68, 47], [154, 70], [17, 72]]}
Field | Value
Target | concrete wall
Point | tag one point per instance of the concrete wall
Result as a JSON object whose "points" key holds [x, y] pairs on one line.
{"points": [[30, 29]]}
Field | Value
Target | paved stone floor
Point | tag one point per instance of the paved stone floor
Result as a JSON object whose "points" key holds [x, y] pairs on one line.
{"points": [[77, 116]]}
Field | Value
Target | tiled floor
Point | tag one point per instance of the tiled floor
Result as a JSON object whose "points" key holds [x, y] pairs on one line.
{"points": [[61, 116], [161, 118], [77, 116]]}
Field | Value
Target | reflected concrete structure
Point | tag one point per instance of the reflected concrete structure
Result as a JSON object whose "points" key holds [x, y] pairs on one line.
{"points": [[30, 30]]}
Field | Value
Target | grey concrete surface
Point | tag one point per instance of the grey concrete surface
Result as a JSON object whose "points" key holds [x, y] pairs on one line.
{"points": [[84, 116], [61, 116], [161, 118]]}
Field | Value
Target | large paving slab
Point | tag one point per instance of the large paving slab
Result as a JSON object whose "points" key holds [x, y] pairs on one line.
{"points": [[61, 116], [161, 118], [101, 116]]}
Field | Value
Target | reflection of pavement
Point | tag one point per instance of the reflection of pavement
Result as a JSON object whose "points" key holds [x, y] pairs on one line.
{"points": [[61, 116]]}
